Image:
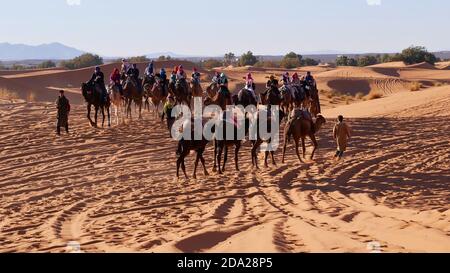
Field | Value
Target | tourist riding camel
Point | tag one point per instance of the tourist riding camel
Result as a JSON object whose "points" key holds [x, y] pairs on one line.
{"points": [[149, 70], [114, 79], [162, 78], [98, 78], [250, 85], [133, 72], [125, 67], [196, 76]]}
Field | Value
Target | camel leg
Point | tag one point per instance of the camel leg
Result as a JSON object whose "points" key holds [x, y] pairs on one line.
{"points": [[109, 116], [183, 167], [236, 155], [203, 163], [266, 157], [96, 114], [103, 116], [197, 159], [304, 147], [129, 110], [255, 154], [89, 115], [272, 154], [178, 165], [219, 157], [140, 109], [215, 156], [297, 151], [284, 149], [225, 158], [313, 139]]}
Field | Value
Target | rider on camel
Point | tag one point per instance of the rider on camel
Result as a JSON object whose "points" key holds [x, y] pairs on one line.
{"points": [[149, 71], [99, 78], [115, 80], [125, 67], [223, 83], [250, 84], [196, 76], [133, 72]]}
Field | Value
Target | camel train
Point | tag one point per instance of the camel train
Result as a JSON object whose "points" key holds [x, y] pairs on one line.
{"points": [[301, 112]]}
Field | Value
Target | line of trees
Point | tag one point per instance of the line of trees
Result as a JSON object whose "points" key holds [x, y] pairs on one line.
{"points": [[410, 55], [85, 60]]}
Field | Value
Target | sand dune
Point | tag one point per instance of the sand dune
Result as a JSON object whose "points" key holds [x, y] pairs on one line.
{"points": [[115, 189]]}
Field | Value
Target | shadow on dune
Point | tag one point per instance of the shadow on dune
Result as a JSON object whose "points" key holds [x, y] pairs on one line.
{"points": [[350, 86], [403, 159]]}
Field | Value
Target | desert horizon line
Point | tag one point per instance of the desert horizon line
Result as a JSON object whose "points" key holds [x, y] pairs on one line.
{"points": [[172, 53]]}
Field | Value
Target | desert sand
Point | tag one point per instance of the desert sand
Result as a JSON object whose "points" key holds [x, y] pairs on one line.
{"points": [[115, 190]]}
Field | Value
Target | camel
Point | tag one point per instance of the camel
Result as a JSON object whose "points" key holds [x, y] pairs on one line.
{"points": [[184, 148], [196, 88], [287, 100], [131, 93], [158, 96], [244, 98], [219, 99], [314, 101], [181, 92], [212, 90], [147, 85], [116, 101], [299, 127], [92, 95], [221, 146], [272, 96], [256, 144]]}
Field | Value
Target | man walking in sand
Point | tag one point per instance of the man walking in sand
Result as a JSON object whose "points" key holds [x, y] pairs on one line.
{"points": [[341, 133], [63, 106]]}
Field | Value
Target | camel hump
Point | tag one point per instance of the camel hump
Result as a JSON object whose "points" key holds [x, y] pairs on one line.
{"points": [[299, 113]]}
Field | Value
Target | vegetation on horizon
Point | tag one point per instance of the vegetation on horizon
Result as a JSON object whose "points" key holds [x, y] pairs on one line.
{"points": [[410, 55], [85, 60]]}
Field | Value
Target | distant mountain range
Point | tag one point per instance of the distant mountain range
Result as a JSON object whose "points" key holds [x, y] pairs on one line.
{"points": [[53, 51], [57, 51]]}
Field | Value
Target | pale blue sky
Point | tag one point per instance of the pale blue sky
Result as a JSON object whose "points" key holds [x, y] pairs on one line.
{"points": [[206, 27]]}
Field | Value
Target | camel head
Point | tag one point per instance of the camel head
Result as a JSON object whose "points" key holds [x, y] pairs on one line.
{"points": [[320, 120]]}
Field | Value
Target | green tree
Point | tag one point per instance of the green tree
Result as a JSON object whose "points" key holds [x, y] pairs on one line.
{"points": [[346, 61], [229, 59], [211, 63], [138, 59], [164, 58], [82, 61], [417, 54], [47, 64], [367, 60], [291, 60], [310, 62], [248, 59]]}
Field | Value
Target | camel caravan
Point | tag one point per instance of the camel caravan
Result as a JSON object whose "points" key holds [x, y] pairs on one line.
{"points": [[295, 101]]}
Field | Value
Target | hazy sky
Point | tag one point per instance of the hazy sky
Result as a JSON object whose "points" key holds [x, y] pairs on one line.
{"points": [[207, 27]]}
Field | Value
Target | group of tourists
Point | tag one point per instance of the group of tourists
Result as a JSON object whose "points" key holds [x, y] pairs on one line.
{"points": [[178, 76]]}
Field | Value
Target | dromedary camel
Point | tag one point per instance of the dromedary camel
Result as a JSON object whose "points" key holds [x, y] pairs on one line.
{"points": [[221, 146], [212, 89], [196, 88], [158, 96], [299, 127], [131, 93], [184, 148], [116, 101], [256, 144], [147, 85], [93, 96]]}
